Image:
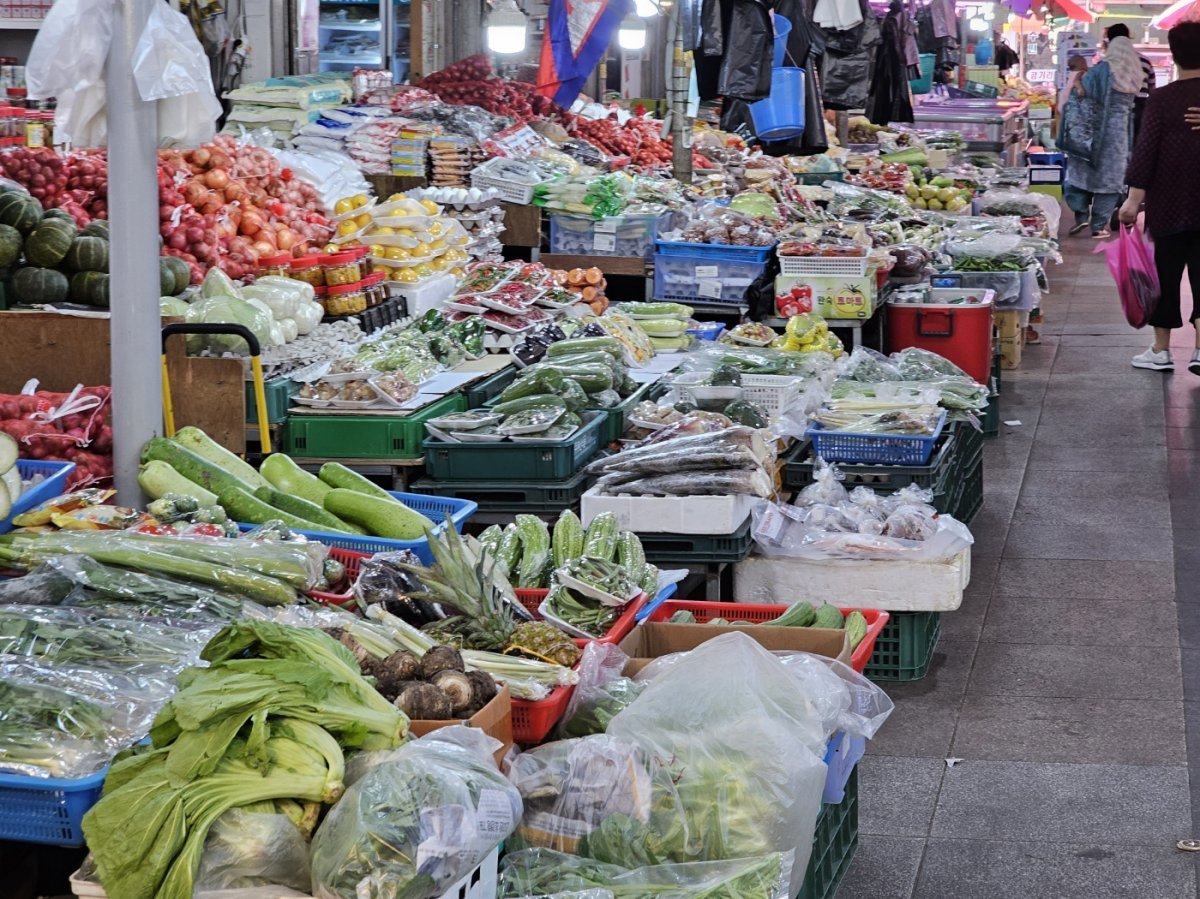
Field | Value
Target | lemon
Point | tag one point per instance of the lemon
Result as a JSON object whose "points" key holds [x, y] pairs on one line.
{"points": [[438, 244], [430, 206], [396, 253], [458, 272], [406, 275], [385, 230], [363, 220], [436, 228], [423, 270], [394, 197], [440, 264], [347, 227], [405, 232], [359, 200], [377, 249], [341, 207], [421, 249]]}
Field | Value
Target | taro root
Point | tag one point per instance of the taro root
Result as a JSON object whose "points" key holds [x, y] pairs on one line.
{"points": [[392, 672], [483, 687], [457, 687], [424, 702], [440, 658]]}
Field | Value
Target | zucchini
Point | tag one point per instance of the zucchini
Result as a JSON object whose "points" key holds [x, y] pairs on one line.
{"points": [[287, 477], [337, 475], [524, 404], [197, 469], [204, 446], [609, 345], [245, 508], [158, 479], [382, 517], [302, 508]]}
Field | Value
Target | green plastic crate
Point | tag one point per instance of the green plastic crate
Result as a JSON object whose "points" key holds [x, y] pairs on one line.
{"points": [[483, 392], [800, 464], [618, 416], [700, 548], [511, 496], [904, 648], [834, 843], [548, 460], [365, 436], [279, 393], [970, 497], [819, 178]]}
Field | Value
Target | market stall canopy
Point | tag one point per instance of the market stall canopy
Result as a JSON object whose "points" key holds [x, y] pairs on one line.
{"points": [[1073, 10], [1181, 11]]}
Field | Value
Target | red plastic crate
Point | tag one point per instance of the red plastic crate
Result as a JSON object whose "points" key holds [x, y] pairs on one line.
{"points": [[531, 598], [740, 611], [533, 720], [353, 561]]}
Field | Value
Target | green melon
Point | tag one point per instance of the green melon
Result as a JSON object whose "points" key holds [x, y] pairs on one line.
{"points": [[49, 243], [88, 254], [182, 275], [96, 228], [90, 288], [40, 285], [10, 245], [20, 210]]}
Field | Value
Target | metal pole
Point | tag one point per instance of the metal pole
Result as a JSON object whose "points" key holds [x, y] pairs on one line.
{"points": [[681, 125], [133, 254]]}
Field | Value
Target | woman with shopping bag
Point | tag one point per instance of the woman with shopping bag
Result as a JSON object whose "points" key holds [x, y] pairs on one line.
{"points": [[1165, 175]]}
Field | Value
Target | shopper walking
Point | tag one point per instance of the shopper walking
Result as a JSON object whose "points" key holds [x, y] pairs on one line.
{"points": [[1093, 186], [1165, 175], [1148, 84]]}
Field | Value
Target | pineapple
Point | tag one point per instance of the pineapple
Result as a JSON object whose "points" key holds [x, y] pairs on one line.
{"points": [[542, 640]]}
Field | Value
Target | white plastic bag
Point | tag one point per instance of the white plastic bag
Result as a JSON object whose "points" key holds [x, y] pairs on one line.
{"points": [[168, 61], [249, 849]]}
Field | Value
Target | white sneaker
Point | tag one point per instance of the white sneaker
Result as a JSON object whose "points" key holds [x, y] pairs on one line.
{"points": [[1194, 365], [1155, 360]]}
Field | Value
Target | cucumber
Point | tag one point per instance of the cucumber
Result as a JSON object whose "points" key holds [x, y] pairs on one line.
{"points": [[287, 477], [195, 468], [245, 508], [9, 450], [302, 508], [525, 403], [337, 475], [158, 479], [381, 517], [204, 446]]}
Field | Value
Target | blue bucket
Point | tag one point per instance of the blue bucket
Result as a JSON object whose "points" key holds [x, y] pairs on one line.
{"points": [[782, 29], [781, 115], [924, 84]]}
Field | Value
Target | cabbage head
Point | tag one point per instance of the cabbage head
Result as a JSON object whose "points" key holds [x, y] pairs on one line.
{"points": [[218, 284], [230, 311], [172, 306]]}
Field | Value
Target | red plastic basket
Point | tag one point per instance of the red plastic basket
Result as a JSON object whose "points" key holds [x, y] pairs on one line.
{"points": [[531, 598], [532, 720], [353, 561], [740, 611]]}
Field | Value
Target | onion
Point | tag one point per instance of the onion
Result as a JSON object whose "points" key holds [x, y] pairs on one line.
{"points": [[287, 238], [194, 235], [217, 179], [263, 248], [201, 157], [178, 240]]}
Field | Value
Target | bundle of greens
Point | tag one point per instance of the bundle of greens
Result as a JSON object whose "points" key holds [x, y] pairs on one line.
{"points": [[267, 720], [48, 731]]}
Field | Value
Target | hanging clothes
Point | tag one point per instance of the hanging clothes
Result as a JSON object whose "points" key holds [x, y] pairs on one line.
{"points": [[846, 66], [891, 96], [837, 15], [805, 47], [736, 47]]}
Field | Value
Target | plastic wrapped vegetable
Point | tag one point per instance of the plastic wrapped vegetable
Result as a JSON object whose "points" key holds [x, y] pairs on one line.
{"points": [[417, 822], [228, 310]]}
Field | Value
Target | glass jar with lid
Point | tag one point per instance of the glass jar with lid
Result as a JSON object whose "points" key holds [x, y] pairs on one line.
{"points": [[309, 269], [376, 292], [342, 268], [345, 299], [279, 264]]}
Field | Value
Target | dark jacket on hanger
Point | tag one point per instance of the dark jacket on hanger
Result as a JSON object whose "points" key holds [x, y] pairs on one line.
{"points": [[735, 51], [806, 46], [891, 98], [846, 66]]}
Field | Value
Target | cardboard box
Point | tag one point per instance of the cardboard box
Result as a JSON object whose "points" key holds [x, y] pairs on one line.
{"points": [[1008, 323], [1011, 350], [834, 296], [652, 639], [494, 719]]}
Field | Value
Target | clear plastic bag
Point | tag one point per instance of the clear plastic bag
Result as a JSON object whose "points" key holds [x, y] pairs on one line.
{"points": [[601, 693], [247, 849], [413, 825], [846, 700]]}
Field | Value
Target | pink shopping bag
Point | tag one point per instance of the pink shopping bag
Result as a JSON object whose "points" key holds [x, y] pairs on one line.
{"points": [[1131, 262]]}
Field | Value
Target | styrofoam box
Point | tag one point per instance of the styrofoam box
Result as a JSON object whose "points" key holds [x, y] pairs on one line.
{"points": [[670, 514], [894, 586]]}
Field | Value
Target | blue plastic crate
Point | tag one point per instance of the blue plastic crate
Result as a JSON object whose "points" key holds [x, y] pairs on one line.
{"points": [[47, 810], [618, 235], [713, 251], [874, 449], [55, 475], [842, 753], [435, 508], [680, 279]]}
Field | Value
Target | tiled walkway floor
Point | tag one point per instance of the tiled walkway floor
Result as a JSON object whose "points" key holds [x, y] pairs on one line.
{"points": [[1067, 682]]}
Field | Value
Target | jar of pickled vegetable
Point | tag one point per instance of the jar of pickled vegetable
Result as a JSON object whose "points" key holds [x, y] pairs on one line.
{"points": [[280, 265], [376, 292], [345, 299], [309, 270], [342, 268]]}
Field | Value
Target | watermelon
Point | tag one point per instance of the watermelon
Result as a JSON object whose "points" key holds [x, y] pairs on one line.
{"points": [[88, 254], [20, 210], [96, 228], [90, 288], [49, 242], [40, 285], [179, 269], [10, 245]]}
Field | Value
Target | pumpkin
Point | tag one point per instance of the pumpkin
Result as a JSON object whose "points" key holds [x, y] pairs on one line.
{"points": [[57, 213], [180, 273], [49, 243], [90, 288], [88, 254], [20, 210], [96, 228], [10, 245], [40, 285]]}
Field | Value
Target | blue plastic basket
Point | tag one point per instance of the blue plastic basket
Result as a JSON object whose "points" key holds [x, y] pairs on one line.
{"points": [[47, 810], [781, 115], [924, 84], [842, 753], [874, 449], [55, 482], [707, 330], [782, 29], [713, 252], [435, 508]]}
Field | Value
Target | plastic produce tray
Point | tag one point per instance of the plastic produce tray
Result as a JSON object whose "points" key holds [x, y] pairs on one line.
{"points": [[905, 648], [435, 508], [531, 598], [483, 392], [700, 548], [49, 811], [533, 461], [279, 393], [365, 436], [879, 449], [744, 611], [353, 562], [799, 466], [540, 497], [834, 844], [680, 279]]}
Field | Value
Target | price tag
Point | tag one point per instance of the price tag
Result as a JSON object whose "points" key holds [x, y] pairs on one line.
{"points": [[709, 287], [607, 226], [708, 271], [604, 243]]}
